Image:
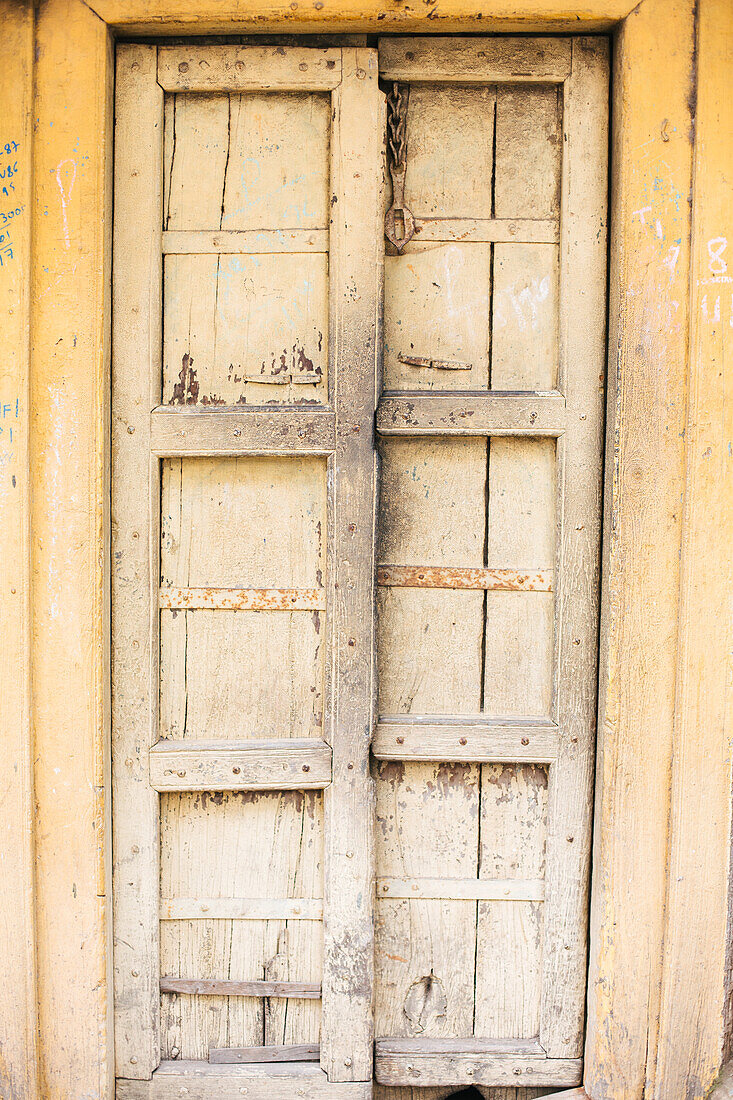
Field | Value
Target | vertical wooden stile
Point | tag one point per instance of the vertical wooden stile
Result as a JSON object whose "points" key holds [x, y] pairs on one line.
{"points": [[582, 343], [355, 276], [136, 358]]}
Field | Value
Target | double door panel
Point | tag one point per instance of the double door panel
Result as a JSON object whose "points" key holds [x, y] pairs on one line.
{"points": [[355, 565]]}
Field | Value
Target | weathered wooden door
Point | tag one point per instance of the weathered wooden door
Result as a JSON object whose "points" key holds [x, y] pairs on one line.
{"points": [[326, 832]]}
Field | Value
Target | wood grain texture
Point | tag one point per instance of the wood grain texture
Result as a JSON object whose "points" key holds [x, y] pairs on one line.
{"points": [[695, 1025], [18, 993], [647, 383], [252, 69], [69, 293]]}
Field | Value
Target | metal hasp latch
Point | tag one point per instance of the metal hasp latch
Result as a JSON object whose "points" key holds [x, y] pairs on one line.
{"points": [[399, 224]]}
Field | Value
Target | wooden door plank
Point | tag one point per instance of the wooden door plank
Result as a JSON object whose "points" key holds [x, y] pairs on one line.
{"points": [[475, 60], [222, 242], [136, 358], [487, 230], [355, 269], [582, 344], [193, 68], [180, 432], [286, 764], [484, 1068], [228, 987], [200, 908], [277, 1081], [462, 889], [425, 737], [471, 414], [301, 1052]]}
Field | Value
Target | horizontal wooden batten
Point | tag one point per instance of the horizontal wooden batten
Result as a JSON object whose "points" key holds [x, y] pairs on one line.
{"points": [[475, 61], [251, 69], [213, 987], [425, 1063], [274, 1081], [241, 909], [486, 580], [302, 1052], [487, 413], [171, 598], [484, 231], [454, 739], [185, 432], [286, 764], [462, 889], [249, 242]]}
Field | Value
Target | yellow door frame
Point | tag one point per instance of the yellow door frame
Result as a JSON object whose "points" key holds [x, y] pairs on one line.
{"points": [[658, 987]]}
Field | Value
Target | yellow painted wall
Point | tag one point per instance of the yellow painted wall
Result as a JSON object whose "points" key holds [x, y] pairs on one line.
{"points": [[657, 998]]}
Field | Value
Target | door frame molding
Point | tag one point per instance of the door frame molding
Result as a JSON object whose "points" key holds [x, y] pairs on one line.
{"points": [[658, 986]]}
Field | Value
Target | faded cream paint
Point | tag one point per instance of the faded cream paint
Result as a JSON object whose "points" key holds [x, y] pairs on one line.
{"points": [[653, 469]]}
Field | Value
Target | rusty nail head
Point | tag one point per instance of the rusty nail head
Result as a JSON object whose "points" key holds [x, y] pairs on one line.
{"points": [[183, 67], [525, 740], [352, 642], [306, 767], [400, 740], [462, 741], [236, 771]]}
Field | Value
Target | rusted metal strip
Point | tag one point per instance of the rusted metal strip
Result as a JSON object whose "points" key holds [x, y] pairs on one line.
{"points": [[487, 580], [229, 988], [300, 1052], [242, 599]]}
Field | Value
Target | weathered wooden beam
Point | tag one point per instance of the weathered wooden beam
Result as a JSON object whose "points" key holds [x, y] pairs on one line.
{"points": [[474, 60], [241, 909], [284, 764], [229, 987], [471, 414], [462, 889], [188, 432], [455, 738], [276, 1081], [301, 1052], [486, 231], [181, 242], [229, 70], [427, 1063]]}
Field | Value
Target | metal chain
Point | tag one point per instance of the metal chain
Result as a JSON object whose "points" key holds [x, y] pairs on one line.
{"points": [[397, 123]]}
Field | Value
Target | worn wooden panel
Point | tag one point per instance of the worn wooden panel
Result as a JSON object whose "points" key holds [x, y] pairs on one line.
{"points": [[437, 307], [518, 670], [245, 329], [527, 184], [432, 512], [266, 845], [246, 161], [253, 521], [427, 825], [524, 333], [509, 934]]}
